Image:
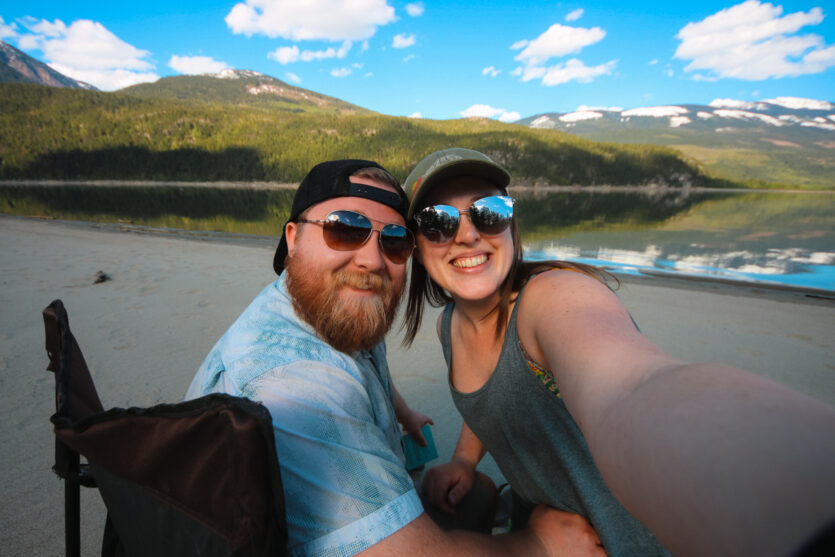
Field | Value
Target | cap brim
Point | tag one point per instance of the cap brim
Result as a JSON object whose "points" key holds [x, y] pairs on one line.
{"points": [[482, 169]]}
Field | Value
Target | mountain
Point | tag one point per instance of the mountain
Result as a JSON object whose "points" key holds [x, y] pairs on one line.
{"points": [[242, 87], [787, 139], [68, 134], [19, 67]]}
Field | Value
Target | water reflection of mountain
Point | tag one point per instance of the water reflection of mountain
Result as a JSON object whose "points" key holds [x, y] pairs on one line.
{"points": [[753, 237], [543, 214]]}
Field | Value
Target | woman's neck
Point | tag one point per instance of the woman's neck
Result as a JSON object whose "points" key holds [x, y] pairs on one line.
{"points": [[478, 314]]}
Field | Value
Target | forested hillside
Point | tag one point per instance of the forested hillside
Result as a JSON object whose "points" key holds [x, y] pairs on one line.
{"points": [[52, 133]]}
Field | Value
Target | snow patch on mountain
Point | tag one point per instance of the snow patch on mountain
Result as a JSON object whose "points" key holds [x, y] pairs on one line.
{"points": [[580, 115], [820, 125], [739, 105], [797, 103], [542, 122], [677, 121], [745, 115], [229, 73]]}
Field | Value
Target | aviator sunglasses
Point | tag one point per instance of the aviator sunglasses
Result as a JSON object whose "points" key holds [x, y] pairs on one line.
{"points": [[347, 231], [490, 215]]}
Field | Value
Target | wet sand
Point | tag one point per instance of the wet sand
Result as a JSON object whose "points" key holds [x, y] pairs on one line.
{"points": [[146, 331]]}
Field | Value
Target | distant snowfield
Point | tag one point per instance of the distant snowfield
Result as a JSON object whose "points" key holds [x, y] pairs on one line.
{"points": [[726, 109]]}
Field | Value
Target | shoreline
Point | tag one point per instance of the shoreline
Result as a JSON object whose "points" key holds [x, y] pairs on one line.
{"points": [[669, 279], [518, 185]]}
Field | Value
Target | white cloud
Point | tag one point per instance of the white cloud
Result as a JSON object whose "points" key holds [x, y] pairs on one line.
{"points": [[333, 20], [575, 70], [288, 54], [491, 71], [754, 41], [415, 115], [7, 30], [487, 111], [557, 41], [518, 45], [193, 65], [403, 41], [292, 78], [85, 50], [575, 15], [409, 57], [653, 62], [415, 9], [341, 72]]}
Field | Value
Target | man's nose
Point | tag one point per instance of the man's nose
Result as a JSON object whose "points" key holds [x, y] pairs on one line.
{"points": [[370, 255]]}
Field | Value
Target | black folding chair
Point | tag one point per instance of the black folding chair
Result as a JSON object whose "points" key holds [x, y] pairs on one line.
{"points": [[194, 478]]}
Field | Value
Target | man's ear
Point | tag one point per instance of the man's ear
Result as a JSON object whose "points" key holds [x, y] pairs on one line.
{"points": [[291, 229]]}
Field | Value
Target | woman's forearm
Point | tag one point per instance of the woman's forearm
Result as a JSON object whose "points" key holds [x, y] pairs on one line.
{"points": [[718, 461]]}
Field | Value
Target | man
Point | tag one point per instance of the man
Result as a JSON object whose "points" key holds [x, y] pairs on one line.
{"points": [[310, 348]]}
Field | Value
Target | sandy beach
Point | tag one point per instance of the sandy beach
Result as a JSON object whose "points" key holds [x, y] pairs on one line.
{"points": [[146, 331]]}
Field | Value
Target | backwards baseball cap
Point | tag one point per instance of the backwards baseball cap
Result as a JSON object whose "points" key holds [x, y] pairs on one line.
{"points": [[451, 163], [333, 179]]}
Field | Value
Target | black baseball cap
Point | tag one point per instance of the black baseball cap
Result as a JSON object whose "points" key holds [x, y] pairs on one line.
{"points": [[333, 179]]}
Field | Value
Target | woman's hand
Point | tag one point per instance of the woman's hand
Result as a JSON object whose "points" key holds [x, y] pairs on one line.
{"points": [[412, 421], [446, 484]]}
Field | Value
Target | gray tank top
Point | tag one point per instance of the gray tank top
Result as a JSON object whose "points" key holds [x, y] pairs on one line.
{"points": [[540, 449]]}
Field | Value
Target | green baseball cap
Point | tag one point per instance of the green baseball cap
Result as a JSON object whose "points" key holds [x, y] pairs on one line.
{"points": [[450, 163]]}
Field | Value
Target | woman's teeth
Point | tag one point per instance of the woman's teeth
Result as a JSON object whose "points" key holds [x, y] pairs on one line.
{"points": [[467, 262]]}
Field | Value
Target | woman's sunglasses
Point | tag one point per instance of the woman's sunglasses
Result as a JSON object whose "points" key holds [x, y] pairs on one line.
{"points": [[490, 215], [347, 231]]}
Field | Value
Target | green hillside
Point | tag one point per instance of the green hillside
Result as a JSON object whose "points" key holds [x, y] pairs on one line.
{"points": [[52, 133], [242, 88]]}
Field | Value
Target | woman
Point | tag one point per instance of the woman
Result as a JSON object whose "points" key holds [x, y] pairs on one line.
{"points": [[546, 364]]}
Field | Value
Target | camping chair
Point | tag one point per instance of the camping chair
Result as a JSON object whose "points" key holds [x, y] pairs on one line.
{"points": [[195, 478]]}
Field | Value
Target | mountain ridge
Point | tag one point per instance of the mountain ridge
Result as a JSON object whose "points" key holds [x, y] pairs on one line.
{"points": [[18, 67]]}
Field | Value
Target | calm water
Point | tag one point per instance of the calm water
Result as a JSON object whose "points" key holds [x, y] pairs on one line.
{"points": [[776, 238], [780, 238]]}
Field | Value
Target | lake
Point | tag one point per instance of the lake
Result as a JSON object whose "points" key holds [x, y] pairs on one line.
{"points": [[776, 238]]}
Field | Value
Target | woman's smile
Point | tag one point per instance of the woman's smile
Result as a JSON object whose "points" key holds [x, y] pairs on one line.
{"points": [[469, 262]]}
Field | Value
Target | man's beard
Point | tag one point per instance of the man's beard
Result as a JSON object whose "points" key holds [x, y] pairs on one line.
{"points": [[348, 323]]}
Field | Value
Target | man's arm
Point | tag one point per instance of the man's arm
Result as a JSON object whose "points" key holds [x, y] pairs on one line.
{"points": [[549, 533], [713, 459]]}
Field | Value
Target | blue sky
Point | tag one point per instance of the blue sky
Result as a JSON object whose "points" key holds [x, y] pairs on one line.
{"points": [[442, 60]]}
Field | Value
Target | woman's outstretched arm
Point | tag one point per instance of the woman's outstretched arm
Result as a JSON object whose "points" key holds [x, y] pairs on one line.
{"points": [[713, 459]]}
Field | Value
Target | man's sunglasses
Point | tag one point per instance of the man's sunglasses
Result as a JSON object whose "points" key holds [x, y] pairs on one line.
{"points": [[490, 215], [347, 231]]}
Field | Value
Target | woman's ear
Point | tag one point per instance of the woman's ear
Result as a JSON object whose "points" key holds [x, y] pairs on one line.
{"points": [[290, 231]]}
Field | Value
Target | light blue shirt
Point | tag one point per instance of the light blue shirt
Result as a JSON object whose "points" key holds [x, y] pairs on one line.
{"points": [[338, 440]]}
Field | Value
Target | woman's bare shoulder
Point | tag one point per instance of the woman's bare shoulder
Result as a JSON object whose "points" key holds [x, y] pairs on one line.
{"points": [[565, 286]]}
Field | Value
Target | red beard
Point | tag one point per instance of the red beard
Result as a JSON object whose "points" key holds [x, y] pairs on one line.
{"points": [[349, 323]]}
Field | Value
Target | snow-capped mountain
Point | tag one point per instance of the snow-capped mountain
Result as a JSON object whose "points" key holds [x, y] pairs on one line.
{"points": [[721, 115]]}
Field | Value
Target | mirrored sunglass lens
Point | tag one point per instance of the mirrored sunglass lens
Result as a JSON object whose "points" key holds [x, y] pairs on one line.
{"points": [[397, 242], [345, 230], [438, 223], [492, 215]]}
